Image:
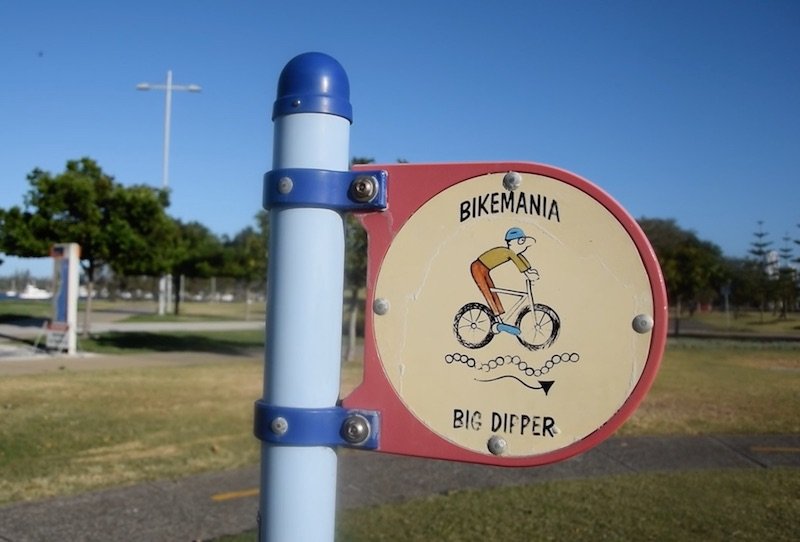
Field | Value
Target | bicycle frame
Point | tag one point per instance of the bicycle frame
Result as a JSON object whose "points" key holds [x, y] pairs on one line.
{"points": [[519, 294]]}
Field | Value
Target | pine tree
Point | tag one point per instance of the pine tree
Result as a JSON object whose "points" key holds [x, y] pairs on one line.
{"points": [[760, 252]]}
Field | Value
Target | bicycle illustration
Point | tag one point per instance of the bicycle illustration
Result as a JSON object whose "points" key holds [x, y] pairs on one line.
{"points": [[536, 327]]}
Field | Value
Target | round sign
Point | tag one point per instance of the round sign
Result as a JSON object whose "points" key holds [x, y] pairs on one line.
{"points": [[519, 314]]}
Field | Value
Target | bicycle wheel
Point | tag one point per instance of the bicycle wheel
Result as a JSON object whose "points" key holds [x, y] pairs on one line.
{"points": [[538, 327], [473, 325]]}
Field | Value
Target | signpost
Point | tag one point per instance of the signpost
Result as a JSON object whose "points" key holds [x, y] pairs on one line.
{"points": [[308, 188], [516, 313], [62, 329]]}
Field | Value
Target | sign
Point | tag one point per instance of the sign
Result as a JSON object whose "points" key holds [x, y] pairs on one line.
{"points": [[62, 331], [517, 314]]}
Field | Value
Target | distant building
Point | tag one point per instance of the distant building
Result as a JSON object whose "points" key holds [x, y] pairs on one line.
{"points": [[773, 265]]}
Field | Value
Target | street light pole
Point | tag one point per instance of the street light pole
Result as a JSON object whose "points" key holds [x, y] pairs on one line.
{"points": [[165, 283], [167, 117], [167, 88]]}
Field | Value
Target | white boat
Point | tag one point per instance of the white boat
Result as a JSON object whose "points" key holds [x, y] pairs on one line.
{"points": [[13, 291], [32, 292]]}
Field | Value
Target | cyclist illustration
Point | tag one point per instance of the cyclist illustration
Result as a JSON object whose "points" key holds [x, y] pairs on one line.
{"points": [[536, 326], [517, 243]]}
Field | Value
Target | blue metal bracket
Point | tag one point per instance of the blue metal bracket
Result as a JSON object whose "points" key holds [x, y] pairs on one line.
{"points": [[334, 426], [342, 191]]}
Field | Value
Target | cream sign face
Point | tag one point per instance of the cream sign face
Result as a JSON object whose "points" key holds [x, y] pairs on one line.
{"points": [[515, 314]]}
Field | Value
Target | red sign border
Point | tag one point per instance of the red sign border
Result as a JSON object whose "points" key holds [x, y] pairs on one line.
{"points": [[409, 187]]}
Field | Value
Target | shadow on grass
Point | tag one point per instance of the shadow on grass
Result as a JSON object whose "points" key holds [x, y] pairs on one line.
{"points": [[11, 338], [236, 344], [22, 320]]}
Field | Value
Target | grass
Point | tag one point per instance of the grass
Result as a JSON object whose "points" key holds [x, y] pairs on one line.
{"points": [[20, 311], [69, 432], [72, 431], [750, 322], [703, 387], [748, 505], [722, 387], [740, 505], [189, 311], [15, 310], [215, 342]]}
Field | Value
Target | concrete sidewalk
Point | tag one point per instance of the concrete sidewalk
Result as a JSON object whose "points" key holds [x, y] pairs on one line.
{"points": [[210, 505]]}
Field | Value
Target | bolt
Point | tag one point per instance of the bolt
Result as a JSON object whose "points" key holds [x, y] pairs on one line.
{"points": [[285, 185], [512, 180], [355, 429], [279, 426], [497, 445], [380, 306], [643, 323], [363, 189]]}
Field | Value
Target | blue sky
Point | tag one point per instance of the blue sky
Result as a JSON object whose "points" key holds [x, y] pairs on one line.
{"points": [[681, 109]]}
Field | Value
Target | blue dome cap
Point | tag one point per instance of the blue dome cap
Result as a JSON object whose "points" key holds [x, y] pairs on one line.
{"points": [[313, 83]]}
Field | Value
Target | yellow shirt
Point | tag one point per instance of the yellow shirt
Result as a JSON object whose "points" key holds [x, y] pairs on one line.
{"points": [[500, 255]]}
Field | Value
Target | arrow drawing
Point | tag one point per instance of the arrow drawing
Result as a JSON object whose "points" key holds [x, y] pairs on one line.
{"points": [[544, 385]]}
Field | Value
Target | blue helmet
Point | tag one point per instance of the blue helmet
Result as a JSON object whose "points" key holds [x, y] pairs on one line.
{"points": [[514, 233]]}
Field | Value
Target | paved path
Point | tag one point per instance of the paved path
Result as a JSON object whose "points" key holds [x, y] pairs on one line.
{"points": [[210, 505]]}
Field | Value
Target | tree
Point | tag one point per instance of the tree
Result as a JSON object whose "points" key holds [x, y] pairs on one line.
{"points": [[797, 242], [245, 255], [142, 237], [744, 277], [198, 253], [760, 252], [787, 278], [246, 258], [760, 246], [355, 270], [693, 269], [123, 227]]}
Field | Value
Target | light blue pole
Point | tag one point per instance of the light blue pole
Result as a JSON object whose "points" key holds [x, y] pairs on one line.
{"points": [[312, 116]]}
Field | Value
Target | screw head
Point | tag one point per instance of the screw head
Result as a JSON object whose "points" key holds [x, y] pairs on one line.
{"points": [[355, 429], [512, 180], [279, 426], [642, 323], [380, 306], [497, 445], [285, 185], [364, 189]]}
